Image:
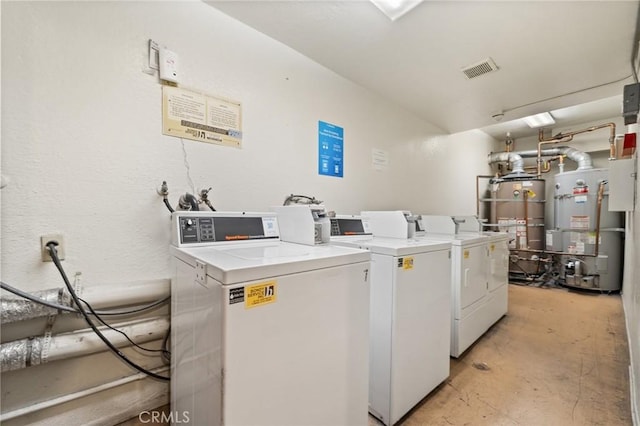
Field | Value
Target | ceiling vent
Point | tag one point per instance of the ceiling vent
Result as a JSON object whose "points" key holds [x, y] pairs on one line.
{"points": [[481, 68]]}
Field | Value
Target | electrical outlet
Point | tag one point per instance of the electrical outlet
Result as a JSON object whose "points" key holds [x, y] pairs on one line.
{"points": [[201, 272], [60, 248]]}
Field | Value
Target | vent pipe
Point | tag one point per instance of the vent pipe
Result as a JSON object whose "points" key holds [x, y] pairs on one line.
{"points": [[582, 158], [515, 158], [516, 161]]}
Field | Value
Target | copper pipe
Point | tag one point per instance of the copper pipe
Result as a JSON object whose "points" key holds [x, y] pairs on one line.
{"points": [[546, 169], [598, 215], [561, 138], [525, 196], [508, 143], [547, 164], [546, 142]]}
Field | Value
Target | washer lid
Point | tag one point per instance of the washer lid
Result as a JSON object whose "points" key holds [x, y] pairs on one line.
{"points": [[496, 236], [398, 246], [235, 263], [458, 239]]}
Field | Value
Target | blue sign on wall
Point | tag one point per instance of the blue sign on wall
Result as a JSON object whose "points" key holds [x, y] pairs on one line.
{"points": [[330, 149]]}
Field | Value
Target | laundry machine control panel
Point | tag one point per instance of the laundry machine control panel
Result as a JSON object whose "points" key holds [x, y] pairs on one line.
{"points": [[205, 228], [349, 225]]}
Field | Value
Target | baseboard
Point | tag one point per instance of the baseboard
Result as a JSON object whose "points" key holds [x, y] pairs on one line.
{"points": [[633, 378], [635, 414], [108, 407]]}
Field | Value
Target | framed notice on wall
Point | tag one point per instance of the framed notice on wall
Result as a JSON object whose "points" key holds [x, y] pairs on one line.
{"points": [[330, 149], [200, 117]]}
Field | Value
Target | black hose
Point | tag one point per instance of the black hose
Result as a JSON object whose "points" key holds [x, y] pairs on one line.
{"points": [[99, 318], [53, 252], [208, 203], [166, 203]]}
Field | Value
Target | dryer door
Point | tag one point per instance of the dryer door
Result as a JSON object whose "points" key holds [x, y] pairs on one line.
{"points": [[470, 266]]}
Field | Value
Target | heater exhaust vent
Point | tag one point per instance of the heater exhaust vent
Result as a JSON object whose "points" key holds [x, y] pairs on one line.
{"points": [[481, 68]]}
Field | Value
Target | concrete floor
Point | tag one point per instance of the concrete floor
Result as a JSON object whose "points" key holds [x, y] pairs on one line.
{"points": [[558, 358]]}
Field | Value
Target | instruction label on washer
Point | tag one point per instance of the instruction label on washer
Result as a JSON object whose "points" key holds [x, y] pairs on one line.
{"points": [[405, 262], [260, 294], [236, 295]]}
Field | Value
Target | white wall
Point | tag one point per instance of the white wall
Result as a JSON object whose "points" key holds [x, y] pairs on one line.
{"points": [[631, 301], [83, 154]]}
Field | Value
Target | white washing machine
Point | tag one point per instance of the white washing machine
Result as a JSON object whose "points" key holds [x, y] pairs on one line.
{"points": [[479, 279], [410, 316], [265, 332]]}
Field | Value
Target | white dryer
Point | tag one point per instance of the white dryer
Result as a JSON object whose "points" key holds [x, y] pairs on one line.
{"points": [[410, 314], [479, 286], [497, 268], [266, 332]]}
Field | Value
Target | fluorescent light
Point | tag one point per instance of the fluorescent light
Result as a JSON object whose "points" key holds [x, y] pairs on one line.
{"points": [[539, 120], [395, 8]]}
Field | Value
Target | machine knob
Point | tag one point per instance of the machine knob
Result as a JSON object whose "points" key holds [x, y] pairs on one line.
{"points": [[189, 222]]}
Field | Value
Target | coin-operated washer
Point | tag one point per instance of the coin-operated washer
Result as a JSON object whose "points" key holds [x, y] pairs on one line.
{"points": [[479, 278], [266, 332], [410, 310]]}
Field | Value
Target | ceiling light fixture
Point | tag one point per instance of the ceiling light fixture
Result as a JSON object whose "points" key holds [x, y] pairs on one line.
{"points": [[539, 120], [394, 9]]}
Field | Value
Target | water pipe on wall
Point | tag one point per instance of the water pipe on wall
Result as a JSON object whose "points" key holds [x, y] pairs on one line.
{"points": [[38, 350], [566, 137]]}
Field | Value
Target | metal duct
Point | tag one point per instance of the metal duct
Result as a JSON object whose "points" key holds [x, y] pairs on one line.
{"points": [[582, 158], [516, 161], [13, 310], [99, 296], [21, 353], [39, 350]]}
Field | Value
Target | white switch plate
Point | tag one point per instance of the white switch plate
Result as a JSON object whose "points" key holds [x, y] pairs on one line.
{"points": [[168, 66], [153, 54]]}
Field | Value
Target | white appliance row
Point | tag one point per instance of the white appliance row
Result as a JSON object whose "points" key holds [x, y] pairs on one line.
{"points": [[272, 325], [479, 267]]}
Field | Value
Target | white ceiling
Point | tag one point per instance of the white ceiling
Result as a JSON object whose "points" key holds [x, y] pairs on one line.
{"points": [[551, 55]]}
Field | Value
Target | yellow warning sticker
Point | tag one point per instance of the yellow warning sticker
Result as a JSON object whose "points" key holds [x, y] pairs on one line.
{"points": [[407, 263], [492, 247], [260, 294], [466, 254]]}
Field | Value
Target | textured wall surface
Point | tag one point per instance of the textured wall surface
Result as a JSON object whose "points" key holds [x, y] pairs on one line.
{"points": [[631, 300]]}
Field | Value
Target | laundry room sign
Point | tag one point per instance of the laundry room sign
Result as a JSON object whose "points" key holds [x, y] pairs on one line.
{"points": [[201, 117], [330, 149]]}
